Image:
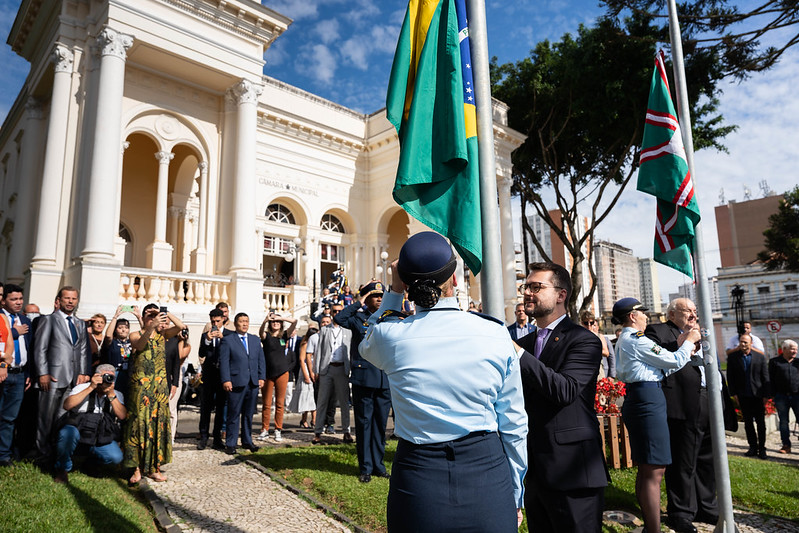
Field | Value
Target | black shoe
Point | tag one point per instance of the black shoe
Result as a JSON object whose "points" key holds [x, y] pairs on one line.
{"points": [[348, 438], [230, 450], [681, 525], [202, 444], [218, 446], [762, 453], [364, 478], [752, 452], [706, 518], [252, 447], [61, 477], [382, 474], [5, 462]]}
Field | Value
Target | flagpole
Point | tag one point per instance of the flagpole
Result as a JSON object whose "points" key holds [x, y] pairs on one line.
{"points": [[491, 273], [726, 521]]}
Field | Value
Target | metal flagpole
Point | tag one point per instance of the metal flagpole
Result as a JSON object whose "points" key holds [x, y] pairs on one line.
{"points": [[491, 274], [726, 521]]}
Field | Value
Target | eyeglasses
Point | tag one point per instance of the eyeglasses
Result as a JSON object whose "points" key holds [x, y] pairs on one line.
{"points": [[535, 287], [589, 322]]}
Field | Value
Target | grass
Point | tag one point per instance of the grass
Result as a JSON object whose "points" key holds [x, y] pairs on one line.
{"points": [[329, 473], [32, 502]]}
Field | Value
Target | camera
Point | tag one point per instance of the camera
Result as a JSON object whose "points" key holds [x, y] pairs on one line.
{"points": [[108, 378], [184, 333]]}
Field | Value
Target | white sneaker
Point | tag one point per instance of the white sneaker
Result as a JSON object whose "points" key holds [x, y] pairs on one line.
{"points": [[278, 436], [264, 435]]}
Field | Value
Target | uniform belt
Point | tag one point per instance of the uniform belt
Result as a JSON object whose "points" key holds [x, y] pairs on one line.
{"points": [[15, 370], [642, 384], [336, 364]]}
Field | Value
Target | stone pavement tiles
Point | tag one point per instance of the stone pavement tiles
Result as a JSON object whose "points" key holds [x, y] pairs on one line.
{"points": [[208, 491]]}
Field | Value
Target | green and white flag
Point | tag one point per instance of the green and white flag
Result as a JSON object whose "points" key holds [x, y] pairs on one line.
{"points": [[664, 174]]}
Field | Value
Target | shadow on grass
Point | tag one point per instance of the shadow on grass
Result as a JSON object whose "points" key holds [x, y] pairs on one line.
{"points": [[100, 516], [297, 459]]}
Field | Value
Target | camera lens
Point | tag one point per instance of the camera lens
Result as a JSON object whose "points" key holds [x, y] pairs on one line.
{"points": [[108, 378]]}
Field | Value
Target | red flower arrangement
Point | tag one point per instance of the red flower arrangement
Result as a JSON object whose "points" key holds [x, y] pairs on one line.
{"points": [[608, 391]]}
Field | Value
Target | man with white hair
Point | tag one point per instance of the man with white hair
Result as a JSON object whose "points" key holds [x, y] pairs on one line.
{"points": [[784, 375], [690, 478]]}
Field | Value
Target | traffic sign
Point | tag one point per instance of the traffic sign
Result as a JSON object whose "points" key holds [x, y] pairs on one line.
{"points": [[773, 326]]}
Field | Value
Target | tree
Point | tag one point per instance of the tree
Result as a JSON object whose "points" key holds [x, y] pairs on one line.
{"points": [[782, 236], [582, 102], [734, 34]]}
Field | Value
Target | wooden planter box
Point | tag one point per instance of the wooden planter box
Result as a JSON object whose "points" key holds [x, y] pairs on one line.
{"points": [[615, 441]]}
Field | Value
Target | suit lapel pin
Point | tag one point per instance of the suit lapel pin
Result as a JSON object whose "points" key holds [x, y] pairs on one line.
{"points": [[557, 339]]}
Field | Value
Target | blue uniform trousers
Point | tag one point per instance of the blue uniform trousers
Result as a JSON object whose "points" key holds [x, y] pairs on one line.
{"points": [[371, 407]]}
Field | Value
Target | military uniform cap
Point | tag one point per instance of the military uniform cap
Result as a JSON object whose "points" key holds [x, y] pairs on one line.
{"points": [[426, 256], [626, 305], [373, 287]]}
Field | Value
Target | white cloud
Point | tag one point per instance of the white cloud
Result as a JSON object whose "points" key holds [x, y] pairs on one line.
{"points": [[355, 51], [296, 9], [316, 62], [327, 30]]}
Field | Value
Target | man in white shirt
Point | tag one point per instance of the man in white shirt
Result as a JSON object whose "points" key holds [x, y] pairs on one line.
{"points": [[99, 395], [757, 344], [331, 363]]}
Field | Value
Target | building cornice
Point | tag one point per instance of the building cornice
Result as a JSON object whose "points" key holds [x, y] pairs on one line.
{"points": [[309, 134], [283, 86]]}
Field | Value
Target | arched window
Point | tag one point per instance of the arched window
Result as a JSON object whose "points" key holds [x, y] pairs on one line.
{"points": [[331, 223], [279, 213]]}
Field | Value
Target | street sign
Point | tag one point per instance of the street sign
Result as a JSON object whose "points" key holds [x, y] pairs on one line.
{"points": [[773, 326]]}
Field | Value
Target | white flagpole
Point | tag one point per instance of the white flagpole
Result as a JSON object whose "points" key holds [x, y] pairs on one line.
{"points": [[726, 521], [491, 274]]}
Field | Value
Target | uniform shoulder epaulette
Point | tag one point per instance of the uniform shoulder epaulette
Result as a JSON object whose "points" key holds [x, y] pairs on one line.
{"points": [[392, 313], [488, 317], [639, 334]]}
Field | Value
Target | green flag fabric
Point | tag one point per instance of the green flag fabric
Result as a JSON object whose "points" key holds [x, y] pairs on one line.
{"points": [[664, 174], [431, 104]]}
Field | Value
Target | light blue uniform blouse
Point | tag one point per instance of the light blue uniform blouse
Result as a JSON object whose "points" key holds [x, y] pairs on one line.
{"points": [[639, 358], [451, 373]]}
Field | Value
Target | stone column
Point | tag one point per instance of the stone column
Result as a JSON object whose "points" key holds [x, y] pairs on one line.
{"points": [[246, 282], [27, 174], [120, 245], [508, 248], [44, 255], [159, 252], [246, 99], [101, 224], [198, 255]]}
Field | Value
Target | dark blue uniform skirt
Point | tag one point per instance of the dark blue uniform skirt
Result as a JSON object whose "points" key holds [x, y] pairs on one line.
{"points": [[644, 414], [461, 485]]}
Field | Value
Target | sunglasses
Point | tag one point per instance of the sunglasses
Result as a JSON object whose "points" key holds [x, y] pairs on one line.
{"points": [[589, 323]]}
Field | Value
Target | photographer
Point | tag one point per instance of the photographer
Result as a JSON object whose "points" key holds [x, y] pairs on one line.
{"points": [[95, 397]]}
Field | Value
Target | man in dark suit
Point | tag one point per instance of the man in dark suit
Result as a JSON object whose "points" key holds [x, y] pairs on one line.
{"points": [[242, 368], [747, 375], [213, 397], [690, 478], [61, 361], [522, 326], [371, 397], [16, 378], [567, 475]]}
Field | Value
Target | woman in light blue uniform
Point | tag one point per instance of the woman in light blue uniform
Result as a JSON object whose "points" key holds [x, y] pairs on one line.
{"points": [[642, 364], [457, 395]]}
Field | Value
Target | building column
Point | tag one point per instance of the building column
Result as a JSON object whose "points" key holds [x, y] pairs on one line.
{"points": [[44, 255], [508, 248], [246, 282], [198, 255], [120, 244], [101, 225], [159, 252], [27, 173]]}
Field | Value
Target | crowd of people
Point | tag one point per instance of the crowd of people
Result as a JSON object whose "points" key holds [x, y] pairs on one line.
{"points": [[490, 417]]}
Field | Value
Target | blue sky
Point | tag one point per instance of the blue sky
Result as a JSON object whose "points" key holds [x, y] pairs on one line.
{"points": [[342, 50]]}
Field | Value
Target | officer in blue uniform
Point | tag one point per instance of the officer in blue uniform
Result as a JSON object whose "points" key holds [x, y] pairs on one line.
{"points": [[371, 400], [457, 395], [642, 364]]}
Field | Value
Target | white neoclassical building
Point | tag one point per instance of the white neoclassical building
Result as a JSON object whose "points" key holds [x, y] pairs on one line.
{"points": [[147, 158]]}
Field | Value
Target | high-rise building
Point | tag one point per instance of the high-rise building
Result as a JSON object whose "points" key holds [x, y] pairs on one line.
{"points": [[688, 290], [616, 274], [650, 285], [740, 227]]}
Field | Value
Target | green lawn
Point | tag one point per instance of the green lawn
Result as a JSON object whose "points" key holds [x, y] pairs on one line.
{"points": [[329, 474], [32, 502]]}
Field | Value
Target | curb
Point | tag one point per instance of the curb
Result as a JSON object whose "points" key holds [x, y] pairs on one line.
{"points": [[163, 521], [302, 494]]}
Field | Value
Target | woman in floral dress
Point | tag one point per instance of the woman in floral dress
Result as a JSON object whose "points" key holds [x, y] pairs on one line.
{"points": [[147, 438]]}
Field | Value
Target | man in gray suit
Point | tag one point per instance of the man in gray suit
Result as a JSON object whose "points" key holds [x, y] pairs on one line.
{"points": [[61, 361], [331, 357]]}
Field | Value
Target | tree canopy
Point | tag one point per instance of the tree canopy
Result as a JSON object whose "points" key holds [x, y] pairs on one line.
{"points": [[782, 236], [582, 103]]}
